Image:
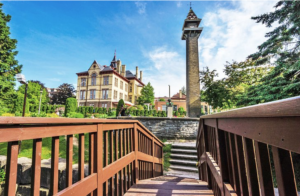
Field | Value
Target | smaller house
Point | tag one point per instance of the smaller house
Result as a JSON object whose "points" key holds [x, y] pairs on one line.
{"points": [[178, 100]]}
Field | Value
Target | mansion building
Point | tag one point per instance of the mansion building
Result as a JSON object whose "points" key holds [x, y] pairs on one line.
{"points": [[104, 86]]}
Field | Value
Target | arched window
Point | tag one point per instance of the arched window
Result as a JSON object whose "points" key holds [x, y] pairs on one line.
{"points": [[94, 79]]}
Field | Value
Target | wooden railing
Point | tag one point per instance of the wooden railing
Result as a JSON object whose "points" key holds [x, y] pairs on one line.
{"points": [[120, 153], [238, 150]]}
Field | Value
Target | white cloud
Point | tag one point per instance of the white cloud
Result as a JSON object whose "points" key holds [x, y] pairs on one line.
{"points": [[178, 4], [141, 7], [168, 69], [231, 33]]}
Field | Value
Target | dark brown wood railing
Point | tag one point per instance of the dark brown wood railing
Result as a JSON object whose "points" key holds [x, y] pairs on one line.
{"points": [[237, 150], [120, 153]]}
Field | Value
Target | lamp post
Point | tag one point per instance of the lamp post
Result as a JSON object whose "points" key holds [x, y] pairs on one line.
{"points": [[40, 100], [22, 80]]}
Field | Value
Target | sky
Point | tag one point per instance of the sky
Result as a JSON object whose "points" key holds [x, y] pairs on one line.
{"points": [[57, 39]]}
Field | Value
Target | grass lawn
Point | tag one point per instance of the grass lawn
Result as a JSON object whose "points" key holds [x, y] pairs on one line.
{"points": [[167, 154]]}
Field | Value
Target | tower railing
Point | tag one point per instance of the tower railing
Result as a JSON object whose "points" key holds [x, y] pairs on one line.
{"points": [[119, 153], [252, 150]]}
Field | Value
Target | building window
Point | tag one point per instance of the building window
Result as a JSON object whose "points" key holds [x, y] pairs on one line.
{"points": [[130, 88], [93, 82], [83, 81], [116, 82], [135, 100], [104, 105], [115, 95], [135, 90], [125, 97], [82, 104], [92, 94], [126, 87], [82, 94], [121, 95], [104, 93], [105, 80], [164, 108], [91, 104], [130, 99], [121, 85]]}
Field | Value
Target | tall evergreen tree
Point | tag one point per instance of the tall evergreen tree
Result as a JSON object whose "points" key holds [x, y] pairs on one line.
{"points": [[9, 66], [282, 47]]}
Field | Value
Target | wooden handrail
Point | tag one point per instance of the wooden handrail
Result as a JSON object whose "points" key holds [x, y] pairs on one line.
{"points": [[236, 148], [121, 152]]}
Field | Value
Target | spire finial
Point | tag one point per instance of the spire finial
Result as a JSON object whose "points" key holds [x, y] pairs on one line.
{"points": [[190, 5]]}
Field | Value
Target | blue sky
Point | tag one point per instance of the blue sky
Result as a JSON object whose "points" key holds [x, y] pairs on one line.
{"points": [[58, 39]]}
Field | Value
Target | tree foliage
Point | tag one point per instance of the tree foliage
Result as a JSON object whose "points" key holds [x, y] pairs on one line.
{"points": [[33, 93], [71, 105], [119, 106], [147, 95], [64, 91], [183, 90], [9, 66], [226, 92], [282, 47]]}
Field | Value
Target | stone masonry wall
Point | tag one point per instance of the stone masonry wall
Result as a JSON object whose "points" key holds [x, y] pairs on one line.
{"points": [[170, 128]]}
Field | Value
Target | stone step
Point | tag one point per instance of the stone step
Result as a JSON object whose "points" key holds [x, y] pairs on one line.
{"points": [[184, 168], [184, 157], [184, 146], [183, 151], [183, 162]]}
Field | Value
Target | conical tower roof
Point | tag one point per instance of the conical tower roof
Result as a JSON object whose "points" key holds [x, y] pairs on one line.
{"points": [[113, 63], [191, 15]]}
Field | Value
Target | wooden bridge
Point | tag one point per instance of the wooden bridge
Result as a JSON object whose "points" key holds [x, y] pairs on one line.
{"points": [[237, 152]]}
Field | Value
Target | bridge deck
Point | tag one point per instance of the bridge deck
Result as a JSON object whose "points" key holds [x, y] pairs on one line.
{"points": [[169, 185]]}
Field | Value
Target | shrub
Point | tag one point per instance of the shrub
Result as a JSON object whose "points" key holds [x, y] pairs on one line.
{"points": [[184, 113], [88, 115], [17, 113], [161, 99], [71, 105], [164, 114], [8, 114], [154, 112], [180, 110], [140, 107], [158, 113], [91, 109], [176, 113], [52, 115], [120, 104], [2, 176], [75, 115]]}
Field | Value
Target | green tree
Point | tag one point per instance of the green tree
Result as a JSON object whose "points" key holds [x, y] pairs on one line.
{"points": [[9, 66], [183, 90], [33, 93], [119, 106], [282, 47], [64, 91], [147, 95]]}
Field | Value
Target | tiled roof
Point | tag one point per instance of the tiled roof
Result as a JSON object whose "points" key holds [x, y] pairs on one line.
{"points": [[191, 15], [176, 96], [107, 69], [129, 74]]}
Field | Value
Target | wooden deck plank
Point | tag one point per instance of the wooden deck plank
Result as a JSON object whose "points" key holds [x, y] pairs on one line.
{"points": [[169, 185]]}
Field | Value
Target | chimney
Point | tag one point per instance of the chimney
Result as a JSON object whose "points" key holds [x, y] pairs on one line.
{"points": [[180, 94], [123, 70], [141, 76], [137, 72], [119, 66]]}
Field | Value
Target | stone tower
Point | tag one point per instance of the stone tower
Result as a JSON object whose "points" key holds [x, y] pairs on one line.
{"points": [[191, 32]]}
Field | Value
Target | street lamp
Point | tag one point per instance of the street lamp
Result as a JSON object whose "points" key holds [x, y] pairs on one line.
{"points": [[22, 80], [40, 100]]}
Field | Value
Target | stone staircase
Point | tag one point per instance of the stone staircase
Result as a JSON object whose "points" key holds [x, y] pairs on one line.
{"points": [[183, 160]]}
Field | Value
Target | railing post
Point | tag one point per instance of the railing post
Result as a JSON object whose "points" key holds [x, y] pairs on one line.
{"points": [[136, 164], [99, 153], [153, 165]]}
